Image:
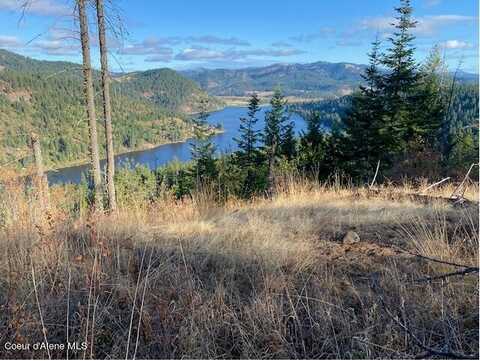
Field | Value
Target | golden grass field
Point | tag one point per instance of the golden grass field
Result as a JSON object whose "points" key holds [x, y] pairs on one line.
{"points": [[268, 278]]}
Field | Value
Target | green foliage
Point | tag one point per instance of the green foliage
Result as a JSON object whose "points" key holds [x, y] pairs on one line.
{"points": [[47, 97], [288, 143], [248, 158], [175, 179], [413, 119], [312, 144], [330, 111], [275, 120], [165, 88], [366, 139], [135, 184], [203, 150], [249, 136]]}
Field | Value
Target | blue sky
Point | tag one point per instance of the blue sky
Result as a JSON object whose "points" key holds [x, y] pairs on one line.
{"points": [[185, 34]]}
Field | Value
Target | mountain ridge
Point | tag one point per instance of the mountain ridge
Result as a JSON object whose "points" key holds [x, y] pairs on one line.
{"points": [[312, 79]]}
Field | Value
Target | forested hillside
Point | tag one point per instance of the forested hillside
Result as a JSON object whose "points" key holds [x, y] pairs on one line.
{"points": [[315, 79], [462, 114], [166, 88], [312, 80], [46, 97], [330, 111]]}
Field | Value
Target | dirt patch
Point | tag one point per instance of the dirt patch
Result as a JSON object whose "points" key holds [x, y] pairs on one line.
{"points": [[15, 95], [361, 252]]}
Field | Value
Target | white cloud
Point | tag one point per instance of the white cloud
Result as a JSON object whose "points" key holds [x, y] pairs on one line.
{"points": [[38, 7], [281, 44], [55, 47], [200, 53], [7, 41], [322, 33], [426, 25], [211, 39], [142, 49], [430, 3], [455, 44], [429, 25]]}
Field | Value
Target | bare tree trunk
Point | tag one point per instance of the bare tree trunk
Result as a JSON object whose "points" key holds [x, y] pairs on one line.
{"points": [[40, 180], [107, 108], [89, 96]]}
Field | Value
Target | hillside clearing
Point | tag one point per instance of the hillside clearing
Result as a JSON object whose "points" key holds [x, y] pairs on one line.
{"points": [[260, 279]]}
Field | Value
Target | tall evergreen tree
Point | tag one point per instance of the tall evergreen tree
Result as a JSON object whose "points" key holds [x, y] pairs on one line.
{"points": [[311, 143], [203, 150], [249, 136], [400, 82], [365, 144], [288, 143], [274, 121], [431, 98], [248, 157]]}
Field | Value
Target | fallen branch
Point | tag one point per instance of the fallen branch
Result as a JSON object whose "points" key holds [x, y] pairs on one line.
{"points": [[429, 350], [446, 275], [375, 176], [432, 259], [435, 184], [463, 181]]}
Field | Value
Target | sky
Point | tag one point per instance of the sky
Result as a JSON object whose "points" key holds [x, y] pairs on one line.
{"points": [[188, 34]]}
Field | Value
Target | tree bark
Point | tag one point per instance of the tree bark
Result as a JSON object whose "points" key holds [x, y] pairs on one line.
{"points": [[40, 180], [107, 108], [89, 97]]}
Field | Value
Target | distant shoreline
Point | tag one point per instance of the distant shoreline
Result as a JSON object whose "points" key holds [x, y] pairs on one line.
{"points": [[85, 161]]}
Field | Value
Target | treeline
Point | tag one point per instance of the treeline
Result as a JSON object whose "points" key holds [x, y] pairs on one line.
{"points": [[330, 111], [410, 120]]}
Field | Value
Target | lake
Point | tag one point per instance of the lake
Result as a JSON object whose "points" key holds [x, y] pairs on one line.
{"points": [[228, 117]]}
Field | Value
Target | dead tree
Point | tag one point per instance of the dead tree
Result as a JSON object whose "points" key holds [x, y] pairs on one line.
{"points": [[107, 108], [90, 102], [40, 180]]}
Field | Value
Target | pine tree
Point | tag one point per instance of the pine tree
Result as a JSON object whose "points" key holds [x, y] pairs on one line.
{"points": [[311, 143], [249, 136], [288, 143], [248, 157], [431, 99], [365, 144], [203, 150], [274, 121], [400, 82]]}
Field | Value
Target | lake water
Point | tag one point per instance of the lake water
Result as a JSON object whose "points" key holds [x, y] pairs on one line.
{"points": [[163, 154]]}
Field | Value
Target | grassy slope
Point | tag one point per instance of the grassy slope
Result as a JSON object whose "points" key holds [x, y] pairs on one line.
{"points": [[266, 279]]}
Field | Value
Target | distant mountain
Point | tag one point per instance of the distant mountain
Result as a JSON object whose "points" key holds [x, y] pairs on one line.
{"points": [[465, 77], [166, 88], [315, 79], [320, 79], [46, 97]]}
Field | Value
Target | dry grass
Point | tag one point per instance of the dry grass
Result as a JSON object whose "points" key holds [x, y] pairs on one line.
{"points": [[260, 279]]}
